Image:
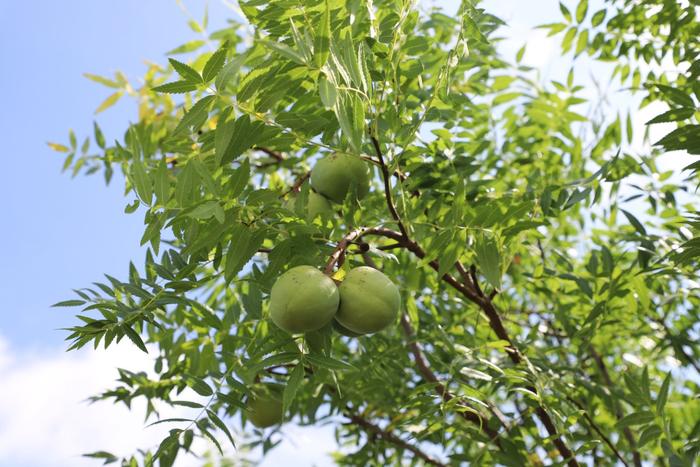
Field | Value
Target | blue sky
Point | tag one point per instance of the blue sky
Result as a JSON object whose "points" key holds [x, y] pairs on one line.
{"points": [[64, 233]]}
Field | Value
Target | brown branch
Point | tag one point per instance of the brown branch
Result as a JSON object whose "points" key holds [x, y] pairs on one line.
{"points": [[595, 427], [618, 408], [390, 437], [496, 325], [387, 188], [297, 184], [274, 154], [470, 413]]}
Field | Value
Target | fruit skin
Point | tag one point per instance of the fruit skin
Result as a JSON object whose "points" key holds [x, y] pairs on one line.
{"points": [[333, 175], [303, 299], [264, 408], [369, 301], [316, 205], [340, 329]]}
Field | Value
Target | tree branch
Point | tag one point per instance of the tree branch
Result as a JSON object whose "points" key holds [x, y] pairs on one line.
{"points": [[390, 437], [496, 324], [618, 409], [274, 154], [595, 427], [387, 188]]}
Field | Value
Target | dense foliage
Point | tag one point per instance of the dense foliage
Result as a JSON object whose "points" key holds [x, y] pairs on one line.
{"points": [[545, 263]]}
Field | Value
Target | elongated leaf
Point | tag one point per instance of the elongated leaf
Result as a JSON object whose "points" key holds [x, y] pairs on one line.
{"points": [[109, 101], [222, 426], [214, 65], [196, 116], [176, 87], [489, 258], [185, 71], [323, 38], [328, 362], [296, 377]]}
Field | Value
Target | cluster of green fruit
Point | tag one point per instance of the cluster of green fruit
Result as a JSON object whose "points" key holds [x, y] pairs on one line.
{"points": [[304, 299], [332, 177]]}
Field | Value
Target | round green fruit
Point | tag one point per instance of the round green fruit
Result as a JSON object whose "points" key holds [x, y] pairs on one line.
{"points": [[333, 176], [303, 299], [369, 301], [316, 205], [264, 408], [340, 329]]}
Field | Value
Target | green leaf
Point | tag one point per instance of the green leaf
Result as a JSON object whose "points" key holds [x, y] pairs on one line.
{"points": [[663, 394], [581, 10], [296, 377], [284, 50], [208, 209], [650, 433], [328, 362], [598, 17], [199, 386], [185, 71], [565, 11], [328, 92], [635, 222], [141, 181], [673, 115], [488, 257], [350, 113], [196, 116], [241, 134], [69, 303], [186, 48], [323, 38], [582, 42], [104, 81], [637, 418], [244, 244], [676, 95], [99, 137], [109, 102], [222, 426], [214, 64], [239, 179], [176, 87], [134, 337]]}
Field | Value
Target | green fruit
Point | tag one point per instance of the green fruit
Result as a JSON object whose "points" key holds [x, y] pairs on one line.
{"points": [[333, 176], [303, 299], [369, 301], [316, 205], [340, 329], [264, 408]]}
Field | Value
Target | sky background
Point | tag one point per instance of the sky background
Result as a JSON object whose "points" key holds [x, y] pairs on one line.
{"points": [[64, 233]]}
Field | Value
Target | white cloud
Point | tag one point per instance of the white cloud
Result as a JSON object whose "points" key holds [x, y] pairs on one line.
{"points": [[46, 421]]}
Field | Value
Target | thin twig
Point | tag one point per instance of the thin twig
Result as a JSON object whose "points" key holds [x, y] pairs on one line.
{"points": [[387, 188], [390, 437], [297, 185], [274, 154], [595, 427]]}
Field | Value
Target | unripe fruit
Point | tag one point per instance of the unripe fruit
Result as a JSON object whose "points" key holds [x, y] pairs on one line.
{"points": [[303, 299], [264, 408], [369, 301], [316, 205], [340, 329], [333, 176]]}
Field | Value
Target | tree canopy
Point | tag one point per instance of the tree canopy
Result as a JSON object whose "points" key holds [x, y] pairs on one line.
{"points": [[545, 264]]}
